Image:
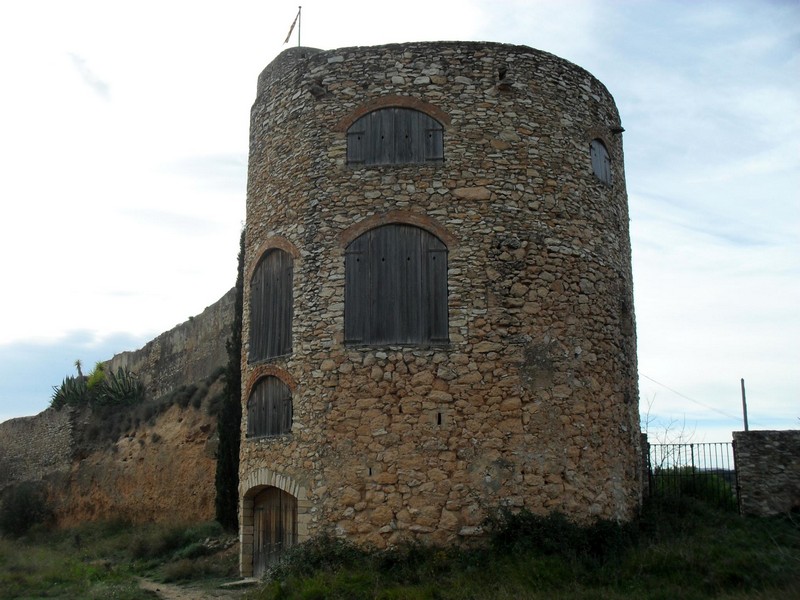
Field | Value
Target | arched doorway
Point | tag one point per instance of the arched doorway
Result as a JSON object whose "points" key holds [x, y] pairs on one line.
{"points": [[274, 527]]}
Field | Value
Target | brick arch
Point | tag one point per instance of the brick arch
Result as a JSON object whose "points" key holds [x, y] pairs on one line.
{"points": [[276, 241], [254, 482], [260, 479], [393, 102], [262, 371], [403, 217]]}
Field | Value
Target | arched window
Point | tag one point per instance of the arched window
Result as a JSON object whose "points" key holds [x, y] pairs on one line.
{"points": [[601, 163], [396, 287], [395, 136], [274, 527], [269, 408], [271, 306]]}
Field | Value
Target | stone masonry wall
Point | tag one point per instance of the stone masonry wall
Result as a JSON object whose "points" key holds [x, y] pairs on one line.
{"points": [[185, 354], [159, 471], [768, 471], [33, 447], [534, 401]]}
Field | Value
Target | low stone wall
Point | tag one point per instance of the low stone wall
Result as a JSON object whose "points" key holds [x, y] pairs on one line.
{"points": [[768, 470], [186, 353], [34, 447]]}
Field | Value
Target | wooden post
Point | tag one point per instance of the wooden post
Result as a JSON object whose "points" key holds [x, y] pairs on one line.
{"points": [[744, 407]]}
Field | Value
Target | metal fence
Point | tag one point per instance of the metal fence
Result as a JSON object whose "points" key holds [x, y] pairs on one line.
{"points": [[703, 471]]}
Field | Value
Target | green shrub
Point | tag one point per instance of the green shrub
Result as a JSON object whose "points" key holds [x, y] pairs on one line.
{"points": [[184, 570], [229, 411], [554, 534], [691, 482], [100, 390], [121, 388], [320, 553], [71, 392], [202, 531], [96, 377], [23, 506]]}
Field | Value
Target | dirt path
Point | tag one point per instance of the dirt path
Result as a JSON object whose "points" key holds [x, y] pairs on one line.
{"points": [[168, 591]]}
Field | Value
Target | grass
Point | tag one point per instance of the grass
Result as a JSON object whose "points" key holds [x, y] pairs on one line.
{"points": [[678, 549], [104, 560]]}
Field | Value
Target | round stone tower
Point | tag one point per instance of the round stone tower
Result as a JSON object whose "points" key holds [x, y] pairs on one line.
{"points": [[438, 308]]}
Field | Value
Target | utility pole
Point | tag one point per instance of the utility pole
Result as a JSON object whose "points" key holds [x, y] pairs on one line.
{"points": [[744, 407]]}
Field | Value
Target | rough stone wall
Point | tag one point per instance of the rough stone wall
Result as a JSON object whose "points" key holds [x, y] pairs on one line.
{"points": [[185, 354], [159, 471], [768, 471], [33, 447], [534, 401]]}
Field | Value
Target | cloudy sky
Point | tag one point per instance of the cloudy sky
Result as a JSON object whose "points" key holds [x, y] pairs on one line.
{"points": [[123, 156]]}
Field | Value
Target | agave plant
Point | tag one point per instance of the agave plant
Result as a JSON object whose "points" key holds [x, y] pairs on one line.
{"points": [[122, 387], [72, 392]]}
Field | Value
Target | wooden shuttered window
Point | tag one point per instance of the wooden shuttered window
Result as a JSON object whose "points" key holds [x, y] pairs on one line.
{"points": [[271, 306], [396, 287], [392, 136], [601, 163], [269, 409], [274, 527]]}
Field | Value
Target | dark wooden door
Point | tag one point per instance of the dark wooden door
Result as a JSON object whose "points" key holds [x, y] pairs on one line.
{"points": [[274, 527]]}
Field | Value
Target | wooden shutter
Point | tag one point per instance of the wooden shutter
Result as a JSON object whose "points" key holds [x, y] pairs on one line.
{"points": [[356, 284], [396, 287], [601, 163], [271, 306], [395, 136], [269, 408], [437, 309]]}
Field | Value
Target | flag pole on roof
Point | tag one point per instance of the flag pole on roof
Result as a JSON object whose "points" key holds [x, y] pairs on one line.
{"points": [[291, 29]]}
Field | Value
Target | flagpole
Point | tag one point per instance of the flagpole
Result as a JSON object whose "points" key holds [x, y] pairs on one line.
{"points": [[291, 29]]}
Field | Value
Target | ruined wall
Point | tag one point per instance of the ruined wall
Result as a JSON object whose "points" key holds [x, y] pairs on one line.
{"points": [[534, 401], [767, 471], [33, 447], [163, 468], [161, 471], [186, 353]]}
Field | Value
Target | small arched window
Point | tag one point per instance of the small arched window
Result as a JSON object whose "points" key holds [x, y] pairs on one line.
{"points": [[271, 306], [269, 408], [396, 287], [395, 136], [601, 163]]}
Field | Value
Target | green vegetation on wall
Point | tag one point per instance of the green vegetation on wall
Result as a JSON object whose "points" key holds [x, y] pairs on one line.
{"points": [[98, 389], [22, 506], [230, 416]]}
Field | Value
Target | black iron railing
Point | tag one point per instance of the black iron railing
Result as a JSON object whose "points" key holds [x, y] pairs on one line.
{"points": [[703, 471]]}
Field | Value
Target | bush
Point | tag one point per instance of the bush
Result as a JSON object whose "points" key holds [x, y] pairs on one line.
{"points": [[184, 570], [179, 541], [24, 505], [320, 553], [122, 387], [690, 482], [99, 389], [72, 392], [555, 535], [96, 377]]}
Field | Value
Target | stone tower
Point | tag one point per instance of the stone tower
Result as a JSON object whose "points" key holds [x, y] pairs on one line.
{"points": [[438, 307]]}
